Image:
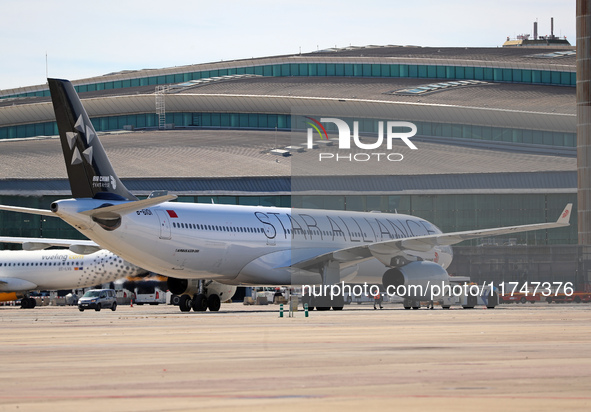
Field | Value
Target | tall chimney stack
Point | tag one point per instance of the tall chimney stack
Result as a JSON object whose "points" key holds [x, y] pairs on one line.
{"points": [[535, 30], [551, 27]]}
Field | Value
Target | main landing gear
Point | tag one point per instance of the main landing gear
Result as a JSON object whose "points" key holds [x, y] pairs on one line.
{"points": [[322, 303], [28, 303], [319, 300], [200, 303]]}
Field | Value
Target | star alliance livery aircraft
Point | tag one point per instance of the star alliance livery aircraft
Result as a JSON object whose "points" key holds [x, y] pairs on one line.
{"points": [[241, 245]]}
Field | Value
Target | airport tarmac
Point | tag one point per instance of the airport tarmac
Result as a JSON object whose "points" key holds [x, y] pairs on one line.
{"points": [[155, 358]]}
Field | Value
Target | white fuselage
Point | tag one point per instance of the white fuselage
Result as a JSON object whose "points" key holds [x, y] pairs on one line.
{"points": [[246, 244], [22, 271]]}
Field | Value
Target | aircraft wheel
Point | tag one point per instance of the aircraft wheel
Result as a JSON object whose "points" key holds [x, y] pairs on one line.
{"points": [[175, 299], [199, 302], [185, 303], [214, 303], [28, 303], [114, 307], [338, 302]]}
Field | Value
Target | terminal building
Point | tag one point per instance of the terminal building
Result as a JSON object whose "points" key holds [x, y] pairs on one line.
{"points": [[496, 138]]}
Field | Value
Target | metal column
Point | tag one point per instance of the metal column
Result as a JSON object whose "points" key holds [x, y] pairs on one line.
{"points": [[584, 120]]}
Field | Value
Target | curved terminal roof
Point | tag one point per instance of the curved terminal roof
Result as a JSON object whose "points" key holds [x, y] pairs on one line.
{"points": [[230, 161], [238, 161], [520, 57], [491, 104]]}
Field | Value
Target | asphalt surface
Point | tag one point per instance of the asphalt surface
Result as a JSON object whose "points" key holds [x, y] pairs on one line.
{"points": [[154, 358]]}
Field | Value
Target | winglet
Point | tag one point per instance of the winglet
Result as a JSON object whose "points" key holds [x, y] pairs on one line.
{"points": [[564, 218]]}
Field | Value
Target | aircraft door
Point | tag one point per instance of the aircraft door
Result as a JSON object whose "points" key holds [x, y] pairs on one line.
{"points": [[165, 232]]}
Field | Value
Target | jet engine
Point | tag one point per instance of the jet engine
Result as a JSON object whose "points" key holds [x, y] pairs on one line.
{"points": [[417, 280], [181, 286]]}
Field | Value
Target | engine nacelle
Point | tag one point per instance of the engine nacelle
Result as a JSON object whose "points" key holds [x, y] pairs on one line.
{"points": [[417, 280], [183, 286], [191, 287]]}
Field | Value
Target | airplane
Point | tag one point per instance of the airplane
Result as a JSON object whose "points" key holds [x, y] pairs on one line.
{"points": [[244, 245], [82, 265], [23, 271]]}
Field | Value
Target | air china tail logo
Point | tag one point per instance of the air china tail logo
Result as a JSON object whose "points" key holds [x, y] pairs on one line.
{"points": [[104, 182], [344, 141], [565, 214]]}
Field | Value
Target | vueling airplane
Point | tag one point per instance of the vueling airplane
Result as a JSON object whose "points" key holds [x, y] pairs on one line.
{"points": [[22, 271], [237, 245]]}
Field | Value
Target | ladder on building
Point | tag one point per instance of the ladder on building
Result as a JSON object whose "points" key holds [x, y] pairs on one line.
{"points": [[160, 93]]}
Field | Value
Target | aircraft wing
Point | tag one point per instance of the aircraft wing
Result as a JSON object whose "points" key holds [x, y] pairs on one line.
{"points": [[33, 243], [387, 251]]}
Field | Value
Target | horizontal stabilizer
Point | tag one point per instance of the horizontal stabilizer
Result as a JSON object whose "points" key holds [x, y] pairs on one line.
{"points": [[27, 210], [33, 243], [84, 249], [110, 212]]}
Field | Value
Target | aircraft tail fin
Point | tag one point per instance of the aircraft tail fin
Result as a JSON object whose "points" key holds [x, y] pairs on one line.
{"points": [[90, 172]]}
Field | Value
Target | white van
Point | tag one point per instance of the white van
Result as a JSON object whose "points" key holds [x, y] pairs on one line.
{"points": [[149, 295]]}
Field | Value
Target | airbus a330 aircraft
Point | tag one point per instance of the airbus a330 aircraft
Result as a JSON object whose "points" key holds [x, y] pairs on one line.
{"points": [[22, 271], [242, 244]]}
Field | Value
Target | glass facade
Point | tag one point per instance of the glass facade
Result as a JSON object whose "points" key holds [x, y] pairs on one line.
{"points": [[451, 213], [283, 122], [423, 71]]}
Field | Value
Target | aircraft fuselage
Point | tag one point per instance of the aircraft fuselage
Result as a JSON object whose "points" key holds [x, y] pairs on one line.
{"points": [[245, 244]]}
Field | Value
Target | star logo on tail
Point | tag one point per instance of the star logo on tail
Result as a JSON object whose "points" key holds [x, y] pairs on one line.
{"points": [[71, 137]]}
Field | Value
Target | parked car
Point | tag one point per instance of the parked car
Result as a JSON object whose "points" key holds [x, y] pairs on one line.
{"points": [[98, 299]]}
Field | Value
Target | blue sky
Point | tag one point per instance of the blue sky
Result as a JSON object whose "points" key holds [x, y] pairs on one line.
{"points": [[91, 38]]}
